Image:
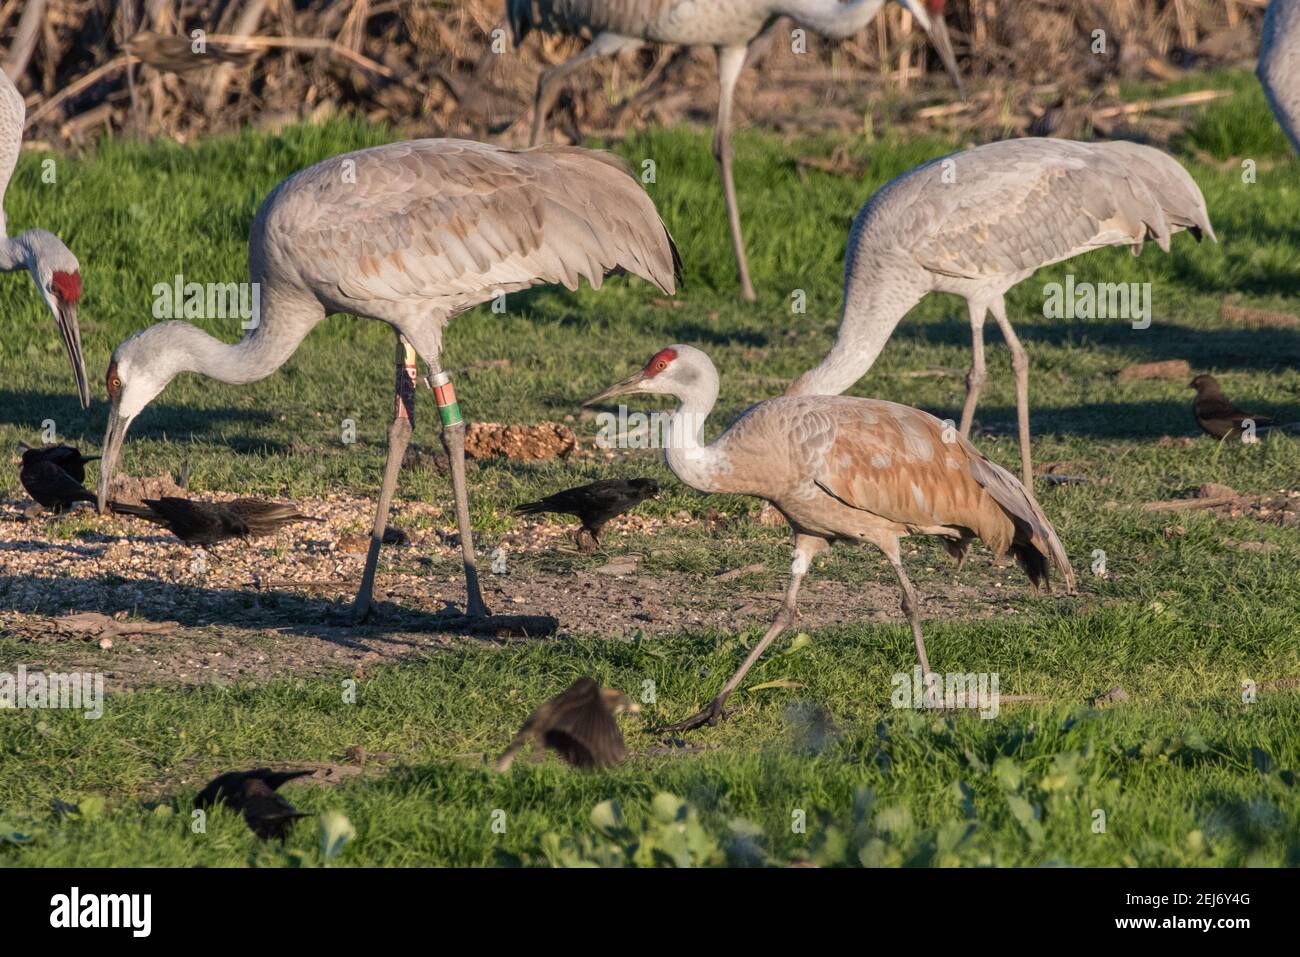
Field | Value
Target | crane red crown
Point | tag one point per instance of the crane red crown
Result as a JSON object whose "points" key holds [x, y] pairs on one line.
{"points": [[936, 6], [67, 285], [659, 362]]}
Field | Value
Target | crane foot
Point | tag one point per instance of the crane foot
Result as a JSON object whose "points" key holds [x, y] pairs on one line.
{"points": [[711, 715]]}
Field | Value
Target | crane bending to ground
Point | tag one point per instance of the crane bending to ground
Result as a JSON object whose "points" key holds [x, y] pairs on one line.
{"points": [[1279, 64], [51, 264], [411, 234], [978, 222], [729, 26], [840, 468]]}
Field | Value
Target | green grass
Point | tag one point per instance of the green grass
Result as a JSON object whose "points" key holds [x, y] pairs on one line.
{"points": [[1185, 772]]}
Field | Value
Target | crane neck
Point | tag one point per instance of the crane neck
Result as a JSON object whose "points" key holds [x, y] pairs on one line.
{"points": [[689, 457], [832, 19], [281, 327], [875, 301], [13, 113]]}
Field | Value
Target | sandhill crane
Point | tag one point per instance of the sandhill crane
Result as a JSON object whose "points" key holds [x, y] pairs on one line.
{"points": [[976, 223], [410, 234], [729, 26], [51, 264], [843, 468], [1279, 64]]}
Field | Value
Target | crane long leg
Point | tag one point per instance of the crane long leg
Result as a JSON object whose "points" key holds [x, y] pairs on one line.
{"points": [[548, 84], [1020, 366], [731, 61], [974, 381], [399, 436], [805, 547], [911, 609], [453, 440]]}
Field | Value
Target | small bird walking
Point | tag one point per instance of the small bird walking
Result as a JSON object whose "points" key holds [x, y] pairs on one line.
{"points": [[52, 475], [50, 263], [977, 223], [839, 468], [1217, 416], [577, 724], [253, 794], [731, 27], [410, 234], [594, 504], [207, 523]]}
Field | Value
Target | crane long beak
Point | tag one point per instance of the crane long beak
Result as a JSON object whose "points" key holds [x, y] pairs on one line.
{"points": [[113, 437], [937, 30], [629, 385], [65, 315]]}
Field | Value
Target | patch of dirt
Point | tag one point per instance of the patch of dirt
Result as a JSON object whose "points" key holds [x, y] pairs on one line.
{"points": [[520, 443], [133, 602]]}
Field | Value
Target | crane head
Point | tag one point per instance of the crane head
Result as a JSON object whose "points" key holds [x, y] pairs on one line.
{"points": [[57, 275], [140, 368], [929, 14], [675, 370]]}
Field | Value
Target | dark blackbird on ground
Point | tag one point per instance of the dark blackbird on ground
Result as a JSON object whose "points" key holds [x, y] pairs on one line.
{"points": [[595, 504], [1215, 414], [50, 485], [66, 457], [207, 523], [577, 724], [253, 794]]}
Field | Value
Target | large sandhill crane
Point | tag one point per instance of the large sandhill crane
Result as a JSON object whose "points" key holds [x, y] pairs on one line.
{"points": [[729, 26], [1279, 64], [51, 264], [410, 234], [843, 468], [978, 222]]}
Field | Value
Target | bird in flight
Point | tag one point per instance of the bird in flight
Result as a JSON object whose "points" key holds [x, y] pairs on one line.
{"points": [[577, 724]]}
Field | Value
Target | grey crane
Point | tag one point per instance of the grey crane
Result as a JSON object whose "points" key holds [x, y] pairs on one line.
{"points": [[50, 263], [840, 468], [978, 222], [411, 234], [1279, 64], [729, 26]]}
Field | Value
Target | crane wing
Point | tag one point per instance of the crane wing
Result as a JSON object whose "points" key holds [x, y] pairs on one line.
{"points": [[454, 222], [1014, 206]]}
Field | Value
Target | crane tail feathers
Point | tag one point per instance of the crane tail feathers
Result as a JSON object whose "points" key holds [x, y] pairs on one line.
{"points": [[1036, 541]]}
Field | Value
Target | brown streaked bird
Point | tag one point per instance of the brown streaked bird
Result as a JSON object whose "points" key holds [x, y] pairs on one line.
{"points": [[594, 504], [410, 234], [48, 483], [840, 468], [1215, 414], [253, 794], [207, 523], [577, 724]]}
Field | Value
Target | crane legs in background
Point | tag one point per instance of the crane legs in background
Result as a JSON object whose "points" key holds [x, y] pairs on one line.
{"points": [[548, 85], [1020, 368], [399, 437], [731, 62]]}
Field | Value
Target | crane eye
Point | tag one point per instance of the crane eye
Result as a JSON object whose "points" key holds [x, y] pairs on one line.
{"points": [[661, 365], [114, 384]]}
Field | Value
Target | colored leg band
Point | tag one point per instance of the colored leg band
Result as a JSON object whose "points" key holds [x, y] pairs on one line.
{"points": [[444, 393]]}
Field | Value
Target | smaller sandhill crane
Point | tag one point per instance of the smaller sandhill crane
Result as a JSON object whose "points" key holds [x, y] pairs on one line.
{"points": [[729, 26], [978, 222], [51, 264], [840, 468], [1279, 64], [410, 234]]}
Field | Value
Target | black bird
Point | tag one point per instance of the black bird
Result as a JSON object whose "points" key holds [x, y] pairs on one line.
{"points": [[66, 457], [1215, 414], [577, 724], [252, 793], [206, 523], [595, 504], [49, 484]]}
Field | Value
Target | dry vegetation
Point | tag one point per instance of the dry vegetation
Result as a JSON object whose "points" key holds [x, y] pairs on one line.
{"points": [[93, 65]]}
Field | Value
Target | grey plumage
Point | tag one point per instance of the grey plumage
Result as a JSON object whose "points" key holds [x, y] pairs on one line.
{"points": [[1279, 64], [978, 222], [729, 26], [411, 234]]}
